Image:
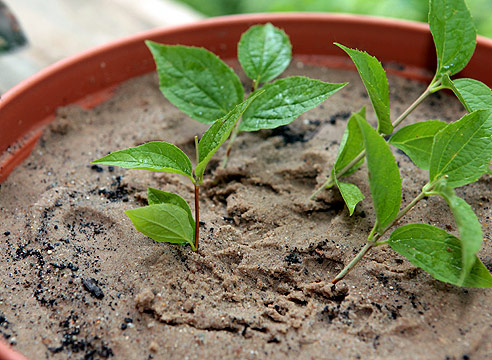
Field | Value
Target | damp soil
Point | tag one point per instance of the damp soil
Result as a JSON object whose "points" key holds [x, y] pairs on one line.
{"points": [[79, 282]]}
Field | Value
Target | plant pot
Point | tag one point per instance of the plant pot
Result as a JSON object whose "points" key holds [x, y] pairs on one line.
{"points": [[90, 78]]}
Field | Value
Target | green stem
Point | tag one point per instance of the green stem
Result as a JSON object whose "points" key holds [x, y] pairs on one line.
{"points": [[197, 216], [353, 263]]}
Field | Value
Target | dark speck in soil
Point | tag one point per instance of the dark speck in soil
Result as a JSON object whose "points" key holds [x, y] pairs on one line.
{"points": [[91, 286]]}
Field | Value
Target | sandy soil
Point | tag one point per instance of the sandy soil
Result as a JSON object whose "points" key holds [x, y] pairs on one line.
{"points": [[78, 282]]}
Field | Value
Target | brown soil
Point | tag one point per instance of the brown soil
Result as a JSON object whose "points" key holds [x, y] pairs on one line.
{"points": [[79, 282]]}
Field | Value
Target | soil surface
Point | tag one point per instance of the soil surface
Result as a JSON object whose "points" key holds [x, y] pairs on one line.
{"points": [[79, 282]]}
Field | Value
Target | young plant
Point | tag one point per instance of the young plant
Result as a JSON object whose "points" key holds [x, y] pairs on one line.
{"points": [[205, 88], [454, 154]]}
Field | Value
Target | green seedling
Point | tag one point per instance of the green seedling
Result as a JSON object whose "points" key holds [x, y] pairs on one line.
{"points": [[454, 154], [205, 88]]}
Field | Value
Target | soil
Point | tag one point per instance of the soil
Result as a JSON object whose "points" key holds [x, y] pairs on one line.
{"points": [[79, 282]]}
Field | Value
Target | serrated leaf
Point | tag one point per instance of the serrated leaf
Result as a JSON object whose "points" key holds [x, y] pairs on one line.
{"points": [[384, 176], [155, 156], [163, 223], [454, 34], [351, 145], [463, 149], [218, 133], [467, 223], [473, 94], [156, 196], [264, 52], [374, 78], [284, 100], [438, 253], [196, 81], [416, 140], [351, 194]]}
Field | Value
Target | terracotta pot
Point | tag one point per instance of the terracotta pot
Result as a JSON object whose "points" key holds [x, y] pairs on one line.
{"points": [[87, 79]]}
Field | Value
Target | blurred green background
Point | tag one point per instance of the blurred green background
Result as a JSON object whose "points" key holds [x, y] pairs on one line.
{"points": [[403, 9]]}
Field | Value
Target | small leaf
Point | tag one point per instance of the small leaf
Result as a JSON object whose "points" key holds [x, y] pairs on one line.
{"points": [[156, 196], [218, 133], [284, 100], [454, 34], [163, 223], [438, 253], [155, 156], [384, 176], [468, 226], [473, 94], [416, 141], [374, 78], [351, 194], [463, 149], [351, 146], [264, 52], [196, 81]]}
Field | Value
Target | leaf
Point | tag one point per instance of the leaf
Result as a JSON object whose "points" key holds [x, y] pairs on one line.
{"points": [[163, 223], [463, 149], [467, 223], [218, 133], [196, 81], [416, 141], [351, 194], [438, 253], [374, 78], [155, 156], [454, 34], [351, 146], [384, 176], [156, 196], [473, 94], [264, 52], [284, 100]]}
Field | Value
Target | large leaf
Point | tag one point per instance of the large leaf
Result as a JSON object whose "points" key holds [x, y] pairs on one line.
{"points": [[264, 52], [454, 34], [416, 141], [284, 100], [374, 78], [384, 176], [196, 81], [439, 253], [463, 149], [156, 196], [468, 226], [163, 223], [155, 156], [351, 194], [473, 94], [351, 145], [218, 133]]}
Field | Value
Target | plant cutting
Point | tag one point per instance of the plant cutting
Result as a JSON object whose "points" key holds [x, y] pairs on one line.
{"points": [[454, 154], [204, 87]]}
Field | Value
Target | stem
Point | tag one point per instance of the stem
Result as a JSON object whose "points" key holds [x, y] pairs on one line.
{"points": [[197, 216], [354, 262]]}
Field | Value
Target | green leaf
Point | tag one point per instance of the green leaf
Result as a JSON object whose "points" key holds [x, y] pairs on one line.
{"points": [[264, 52], [196, 81], [384, 176], [473, 94], [416, 141], [438, 253], [454, 34], [155, 156], [218, 133], [463, 149], [374, 78], [284, 100], [156, 196], [468, 226], [351, 146], [163, 223], [351, 194]]}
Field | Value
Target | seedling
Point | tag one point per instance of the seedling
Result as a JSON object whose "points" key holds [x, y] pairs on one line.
{"points": [[205, 88], [454, 154]]}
